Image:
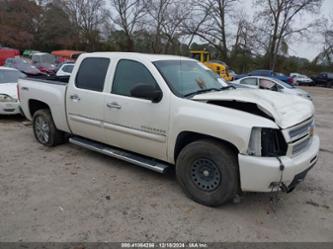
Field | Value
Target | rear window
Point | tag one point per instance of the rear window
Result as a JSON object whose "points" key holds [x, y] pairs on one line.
{"points": [[92, 73], [68, 68]]}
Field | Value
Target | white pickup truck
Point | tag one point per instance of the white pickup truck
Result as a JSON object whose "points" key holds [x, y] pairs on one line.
{"points": [[157, 111]]}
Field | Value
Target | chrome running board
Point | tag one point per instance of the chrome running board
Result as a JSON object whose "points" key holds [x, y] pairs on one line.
{"points": [[136, 159]]}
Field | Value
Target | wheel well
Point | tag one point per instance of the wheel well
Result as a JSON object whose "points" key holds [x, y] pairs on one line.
{"points": [[187, 137], [35, 105]]}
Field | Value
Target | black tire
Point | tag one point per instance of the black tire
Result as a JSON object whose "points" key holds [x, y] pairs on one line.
{"points": [[54, 137], [220, 159]]}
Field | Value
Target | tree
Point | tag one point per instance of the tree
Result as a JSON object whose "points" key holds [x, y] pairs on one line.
{"points": [[18, 22], [325, 57], [55, 29], [277, 18], [129, 18], [213, 24], [87, 16], [164, 23]]}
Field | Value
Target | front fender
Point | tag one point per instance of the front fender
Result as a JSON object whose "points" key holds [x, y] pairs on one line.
{"points": [[232, 126]]}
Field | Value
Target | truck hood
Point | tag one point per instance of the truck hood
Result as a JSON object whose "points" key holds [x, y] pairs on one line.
{"points": [[286, 110], [9, 89]]}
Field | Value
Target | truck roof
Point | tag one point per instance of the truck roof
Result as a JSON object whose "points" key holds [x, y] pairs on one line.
{"points": [[134, 55]]}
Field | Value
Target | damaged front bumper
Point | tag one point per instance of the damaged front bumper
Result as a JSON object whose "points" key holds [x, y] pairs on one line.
{"points": [[258, 174]]}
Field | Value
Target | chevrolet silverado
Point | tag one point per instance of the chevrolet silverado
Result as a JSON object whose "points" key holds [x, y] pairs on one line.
{"points": [[160, 111]]}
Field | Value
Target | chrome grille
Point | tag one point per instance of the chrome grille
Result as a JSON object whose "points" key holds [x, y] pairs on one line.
{"points": [[300, 146], [301, 130], [299, 137]]}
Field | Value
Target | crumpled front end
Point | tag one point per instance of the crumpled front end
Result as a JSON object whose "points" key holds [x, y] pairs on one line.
{"points": [[264, 173]]}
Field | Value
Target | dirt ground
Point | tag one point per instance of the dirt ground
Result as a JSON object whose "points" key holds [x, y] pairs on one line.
{"points": [[72, 194]]}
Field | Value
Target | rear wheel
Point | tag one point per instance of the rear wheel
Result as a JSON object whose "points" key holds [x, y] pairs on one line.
{"points": [[44, 129], [208, 172]]}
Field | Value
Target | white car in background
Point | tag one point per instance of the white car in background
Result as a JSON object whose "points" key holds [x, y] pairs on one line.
{"points": [[9, 104], [301, 79], [267, 83], [65, 69]]}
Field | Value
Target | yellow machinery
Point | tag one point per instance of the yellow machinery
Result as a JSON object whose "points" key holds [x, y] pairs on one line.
{"points": [[217, 66]]}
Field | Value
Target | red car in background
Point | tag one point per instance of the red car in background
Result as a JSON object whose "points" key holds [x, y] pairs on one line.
{"points": [[6, 53]]}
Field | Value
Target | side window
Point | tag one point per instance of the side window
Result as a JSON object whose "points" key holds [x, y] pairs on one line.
{"points": [[196, 56], [129, 74], [68, 68], [92, 73], [266, 84], [249, 81]]}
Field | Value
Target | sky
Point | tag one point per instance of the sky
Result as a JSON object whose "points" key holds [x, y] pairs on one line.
{"points": [[305, 48]]}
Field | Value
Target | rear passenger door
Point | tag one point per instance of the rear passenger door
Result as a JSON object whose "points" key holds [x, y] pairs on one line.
{"points": [[85, 99]]}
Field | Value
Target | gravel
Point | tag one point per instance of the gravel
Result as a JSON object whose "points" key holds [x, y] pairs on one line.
{"points": [[71, 194]]}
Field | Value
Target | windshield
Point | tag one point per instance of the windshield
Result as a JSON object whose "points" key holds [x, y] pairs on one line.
{"points": [[187, 77], [286, 85], [44, 58], [10, 76]]}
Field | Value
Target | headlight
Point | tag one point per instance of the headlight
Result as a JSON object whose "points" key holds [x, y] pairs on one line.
{"points": [[6, 98], [267, 142]]}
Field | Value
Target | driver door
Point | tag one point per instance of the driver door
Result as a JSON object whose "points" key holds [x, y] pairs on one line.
{"points": [[135, 124]]}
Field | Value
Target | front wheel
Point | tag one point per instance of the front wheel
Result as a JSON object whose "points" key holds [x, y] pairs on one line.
{"points": [[44, 129], [208, 172]]}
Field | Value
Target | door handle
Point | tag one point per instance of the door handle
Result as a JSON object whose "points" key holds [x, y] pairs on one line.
{"points": [[75, 98], [113, 105]]}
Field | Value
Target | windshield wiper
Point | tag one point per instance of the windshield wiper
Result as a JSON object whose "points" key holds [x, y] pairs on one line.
{"points": [[203, 91]]}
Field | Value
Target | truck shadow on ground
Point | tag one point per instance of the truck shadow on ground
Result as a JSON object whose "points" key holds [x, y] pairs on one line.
{"points": [[11, 118], [269, 201]]}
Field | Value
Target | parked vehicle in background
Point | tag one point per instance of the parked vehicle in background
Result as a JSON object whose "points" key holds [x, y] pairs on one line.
{"points": [[6, 53], [217, 66], [29, 53], [45, 62], [65, 69], [267, 73], [271, 84], [9, 104], [23, 65], [66, 55], [301, 79], [232, 73], [220, 140], [324, 79]]}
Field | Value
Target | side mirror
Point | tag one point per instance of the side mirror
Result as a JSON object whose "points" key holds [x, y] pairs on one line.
{"points": [[145, 91]]}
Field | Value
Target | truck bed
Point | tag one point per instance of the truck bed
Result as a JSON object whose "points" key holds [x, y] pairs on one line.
{"points": [[49, 91]]}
